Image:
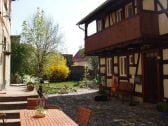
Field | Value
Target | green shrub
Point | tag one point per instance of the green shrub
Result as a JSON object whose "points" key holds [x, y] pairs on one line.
{"points": [[162, 106]]}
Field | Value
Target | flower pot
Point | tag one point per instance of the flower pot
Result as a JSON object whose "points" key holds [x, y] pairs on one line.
{"points": [[164, 114], [30, 87]]}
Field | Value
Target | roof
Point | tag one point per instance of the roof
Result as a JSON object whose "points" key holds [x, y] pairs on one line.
{"points": [[80, 56], [106, 7], [96, 11]]}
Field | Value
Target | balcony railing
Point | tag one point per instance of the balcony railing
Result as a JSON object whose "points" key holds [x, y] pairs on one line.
{"points": [[129, 29]]}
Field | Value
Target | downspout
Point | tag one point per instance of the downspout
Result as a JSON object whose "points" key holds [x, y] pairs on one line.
{"points": [[81, 28]]}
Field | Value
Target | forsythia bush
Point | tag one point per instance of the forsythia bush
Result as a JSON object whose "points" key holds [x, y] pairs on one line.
{"points": [[56, 68]]}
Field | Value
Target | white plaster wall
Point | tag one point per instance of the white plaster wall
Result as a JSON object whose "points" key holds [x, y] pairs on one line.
{"points": [[1, 66], [163, 24], [164, 4], [138, 88], [165, 69], [132, 70], [102, 70], [116, 70], [131, 80], [163, 19], [136, 57], [5, 32], [165, 87], [140, 66], [107, 22], [148, 5], [102, 61], [108, 82], [115, 59], [165, 54]]}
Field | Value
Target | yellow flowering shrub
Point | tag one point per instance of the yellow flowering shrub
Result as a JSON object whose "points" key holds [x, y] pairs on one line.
{"points": [[56, 68]]}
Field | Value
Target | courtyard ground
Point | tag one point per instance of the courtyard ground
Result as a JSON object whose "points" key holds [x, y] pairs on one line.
{"points": [[109, 113]]}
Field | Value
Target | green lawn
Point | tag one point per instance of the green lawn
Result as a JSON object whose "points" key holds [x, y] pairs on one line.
{"points": [[51, 88]]}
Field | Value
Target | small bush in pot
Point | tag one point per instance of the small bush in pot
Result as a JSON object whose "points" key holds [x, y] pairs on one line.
{"points": [[162, 106], [30, 86]]}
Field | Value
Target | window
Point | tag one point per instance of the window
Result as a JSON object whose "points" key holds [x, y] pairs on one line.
{"points": [[119, 15], [109, 66], [123, 65], [131, 59], [107, 22], [129, 10], [112, 18], [136, 6], [99, 25]]}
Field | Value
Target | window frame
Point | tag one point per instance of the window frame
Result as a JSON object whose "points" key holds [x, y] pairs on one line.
{"points": [[123, 65], [129, 10], [131, 59], [109, 66], [99, 25], [119, 15]]}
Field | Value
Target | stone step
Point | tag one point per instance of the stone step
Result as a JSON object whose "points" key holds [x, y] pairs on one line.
{"points": [[10, 122], [18, 85], [11, 114], [12, 101], [13, 105], [15, 98]]}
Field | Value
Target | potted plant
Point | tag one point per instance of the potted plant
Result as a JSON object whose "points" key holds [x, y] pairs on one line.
{"points": [[30, 86], [40, 111], [163, 108]]}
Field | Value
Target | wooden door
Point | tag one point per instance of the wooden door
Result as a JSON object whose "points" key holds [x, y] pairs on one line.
{"points": [[152, 77]]}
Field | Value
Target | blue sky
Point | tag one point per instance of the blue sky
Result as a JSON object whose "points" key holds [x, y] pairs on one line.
{"points": [[66, 13]]}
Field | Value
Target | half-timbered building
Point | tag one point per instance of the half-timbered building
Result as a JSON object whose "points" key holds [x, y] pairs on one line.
{"points": [[131, 40]]}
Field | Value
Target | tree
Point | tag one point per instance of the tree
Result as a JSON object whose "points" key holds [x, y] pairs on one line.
{"points": [[21, 62], [56, 67], [94, 61], [44, 37]]}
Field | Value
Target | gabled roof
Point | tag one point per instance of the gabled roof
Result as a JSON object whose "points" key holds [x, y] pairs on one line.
{"points": [[94, 12], [80, 56]]}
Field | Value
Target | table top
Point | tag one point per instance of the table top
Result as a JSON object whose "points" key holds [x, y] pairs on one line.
{"points": [[54, 117]]}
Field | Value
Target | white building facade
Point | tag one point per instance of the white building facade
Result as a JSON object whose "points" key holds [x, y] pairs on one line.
{"points": [[5, 42]]}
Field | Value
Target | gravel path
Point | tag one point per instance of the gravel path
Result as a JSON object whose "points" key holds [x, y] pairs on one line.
{"points": [[108, 113]]}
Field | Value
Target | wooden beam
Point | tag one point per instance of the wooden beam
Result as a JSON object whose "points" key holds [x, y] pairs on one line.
{"points": [[161, 6]]}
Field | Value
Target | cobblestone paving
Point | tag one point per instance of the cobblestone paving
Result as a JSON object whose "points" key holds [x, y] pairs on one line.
{"points": [[109, 113]]}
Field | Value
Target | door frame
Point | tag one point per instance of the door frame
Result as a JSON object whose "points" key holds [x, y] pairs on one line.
{"points": [[159, 74]]}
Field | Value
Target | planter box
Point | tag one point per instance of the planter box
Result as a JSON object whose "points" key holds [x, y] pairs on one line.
{"points": [[164, 113]]}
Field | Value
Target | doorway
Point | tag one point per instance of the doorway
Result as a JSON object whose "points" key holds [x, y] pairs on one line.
{"points": [[152, 76]]}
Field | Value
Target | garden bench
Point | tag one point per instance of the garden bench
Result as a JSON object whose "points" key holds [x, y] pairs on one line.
{"points": [[124, 89]]}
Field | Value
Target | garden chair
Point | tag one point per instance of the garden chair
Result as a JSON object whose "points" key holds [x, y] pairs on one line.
{"points": [[32, 103], [83, 116]]}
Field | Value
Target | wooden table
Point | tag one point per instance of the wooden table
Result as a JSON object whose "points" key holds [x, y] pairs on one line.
{"points": [[54, 117]]}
